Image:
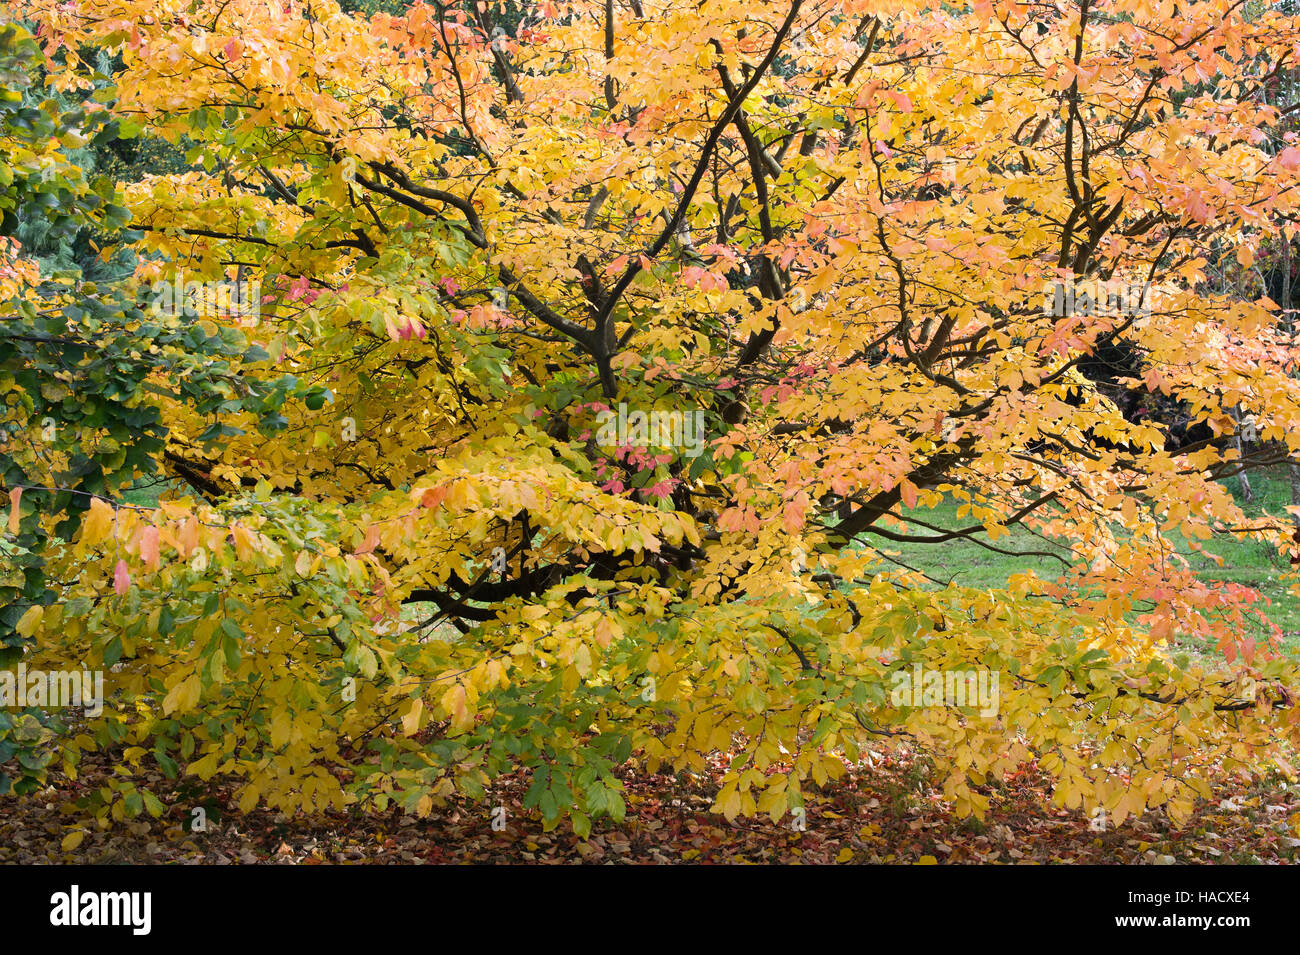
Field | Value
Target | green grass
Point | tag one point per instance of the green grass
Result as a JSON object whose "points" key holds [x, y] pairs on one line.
{"points": [[145, 493], [1250, 563]]}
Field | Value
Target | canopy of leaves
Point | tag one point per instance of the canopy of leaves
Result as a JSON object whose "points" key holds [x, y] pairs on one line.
{"points": [[808, 240]]}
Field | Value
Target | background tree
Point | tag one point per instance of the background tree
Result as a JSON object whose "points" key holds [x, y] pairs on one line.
{"points": [[80, 363]]}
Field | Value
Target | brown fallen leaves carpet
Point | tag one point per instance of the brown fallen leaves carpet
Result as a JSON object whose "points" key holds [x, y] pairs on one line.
{"points": [[881, 813]]}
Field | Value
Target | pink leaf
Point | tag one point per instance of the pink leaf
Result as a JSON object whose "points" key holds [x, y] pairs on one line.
{"points": [[121, 578]]}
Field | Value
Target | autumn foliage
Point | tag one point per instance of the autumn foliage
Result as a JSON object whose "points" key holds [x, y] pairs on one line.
{"points": [[399, 559]]}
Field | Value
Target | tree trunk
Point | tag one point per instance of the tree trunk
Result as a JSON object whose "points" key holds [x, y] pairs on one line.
{"points": [[1246, 493]]}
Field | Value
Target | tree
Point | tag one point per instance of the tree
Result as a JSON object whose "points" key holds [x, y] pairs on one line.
{"points": [[77, 423], [644, 332]]}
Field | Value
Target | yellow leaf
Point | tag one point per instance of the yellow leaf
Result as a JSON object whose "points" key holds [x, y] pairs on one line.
{"points": [[183, 695], [582, 659], [281, 728], [455, 703], [728, 802], [846, 855], [205, 767], [774, 801], [98, 523], [411, 721], [248, 798], [73, 839], [29, 621]]}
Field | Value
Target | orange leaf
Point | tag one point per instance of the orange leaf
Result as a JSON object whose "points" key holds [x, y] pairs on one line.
{"points": [[908, 491], [149, 547], [189, 536], [14, 495], [371, 541]]}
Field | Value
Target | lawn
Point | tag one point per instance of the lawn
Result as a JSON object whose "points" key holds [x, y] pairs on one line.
{"points": [[965, 562]]}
